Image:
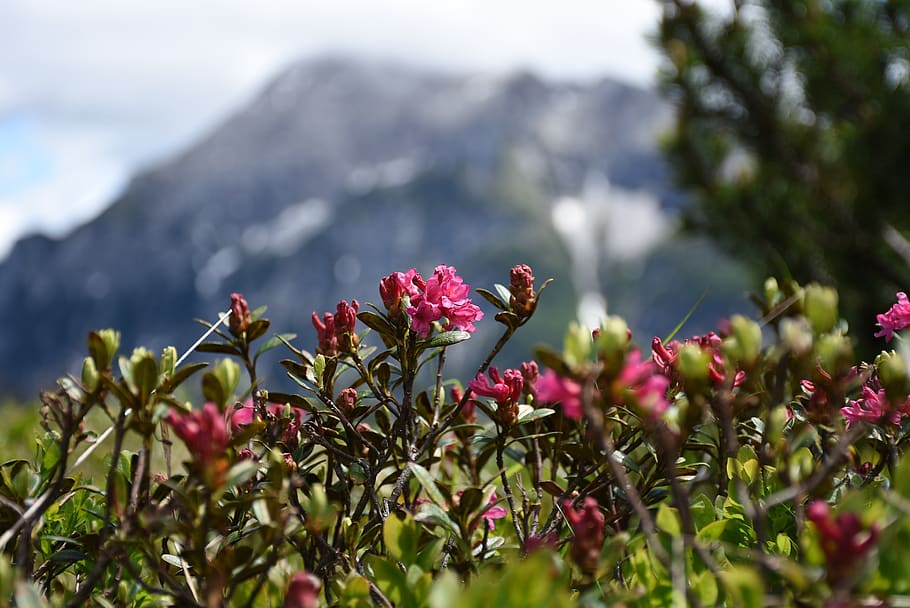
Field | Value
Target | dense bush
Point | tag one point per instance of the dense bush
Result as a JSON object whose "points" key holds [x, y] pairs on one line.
{"points": [[759, 465]]}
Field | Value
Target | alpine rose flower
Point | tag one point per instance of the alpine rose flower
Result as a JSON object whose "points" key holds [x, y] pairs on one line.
{"points": [[553, 388], [243, 415], [443, 296], [336, 332], [505, 389], [205, 433], [645, 384], [397, 286], [874, 407], [588, 527], [895, 319]]}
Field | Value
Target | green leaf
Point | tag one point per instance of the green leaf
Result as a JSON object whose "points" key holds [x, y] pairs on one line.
{"points": [[400, 535], [217, 347], [275, 342], [504, 294], [529, 414], [434, 514], [241, 472], [181, 375], [743, 586], [377, 323], [492, 298], [426, 480], [668, 520], [447, 338], [212, 390], [391, 581]]}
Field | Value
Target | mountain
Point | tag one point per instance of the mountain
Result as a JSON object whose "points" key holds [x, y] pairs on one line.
{"points": [[341, 171]]}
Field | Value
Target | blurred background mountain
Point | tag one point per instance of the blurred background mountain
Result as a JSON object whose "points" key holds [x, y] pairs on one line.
{"points": [[343, 170]]}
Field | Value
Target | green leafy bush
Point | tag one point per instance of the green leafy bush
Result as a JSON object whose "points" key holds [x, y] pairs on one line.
{"points": [[759, 465]]}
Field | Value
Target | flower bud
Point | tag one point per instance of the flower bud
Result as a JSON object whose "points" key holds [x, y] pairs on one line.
{"points": [[820, 307], [346, 401], [521, 286], [588, 528], [303, 591], [89, 374], [240, 315], [744, 344], [613, 338], [796, 334], [692, 362], [835, 354], [892, 374]]}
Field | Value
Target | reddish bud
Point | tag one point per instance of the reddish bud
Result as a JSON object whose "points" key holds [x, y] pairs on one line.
{"points": [[303, 591], [844, 540], [588, 528], [346, 401], [521, 286], [239, 320]]}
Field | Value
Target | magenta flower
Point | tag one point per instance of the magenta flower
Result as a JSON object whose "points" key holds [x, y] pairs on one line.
{"points": [[588, 528], [346, 401], [645, 383], [505, 389], [895, 319], [205, 433], [666, 355], [493, 512], [336, 332], [444, 296], [844, 540], [872, 407], [303, 591], [398, 285], [553, 388], [239, 417]]}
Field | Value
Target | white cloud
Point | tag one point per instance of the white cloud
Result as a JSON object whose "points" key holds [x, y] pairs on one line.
{"points": [[114, 85]]}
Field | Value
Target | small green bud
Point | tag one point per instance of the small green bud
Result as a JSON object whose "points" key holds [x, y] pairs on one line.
{"points": [[577, 345], [744, 343], [693, 363], [820, 307], [89, 374], [796, 334], [834, 354], [772, 291], [892, 373], [169, 361], [111, 339], [613, 337]]}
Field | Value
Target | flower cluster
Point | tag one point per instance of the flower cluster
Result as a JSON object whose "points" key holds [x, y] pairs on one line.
{"points": [[242, 415], [205, 433], [442, 297], [642, 384], [666, 357], [895, 318], [336, 333], [505, 389], [553, 388]]}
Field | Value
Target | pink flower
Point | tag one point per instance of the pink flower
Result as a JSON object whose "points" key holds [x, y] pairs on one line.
{"points": [[336, 333], [346, 401], [398, 285], [647, 386], [239, 417], [325, 334], [205, 433], [505, 389], [240, 315], [872, 407], [588, 528], [493, 512], [444, 296], [553, 388], [895, 319], [665, 356], [303, 591], [843, 538]]}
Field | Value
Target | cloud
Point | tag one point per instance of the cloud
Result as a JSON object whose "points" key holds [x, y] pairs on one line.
{"points": [[112, 86]]}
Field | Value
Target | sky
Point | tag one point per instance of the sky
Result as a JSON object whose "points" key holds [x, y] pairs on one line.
{"points": [[92, 91]]}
